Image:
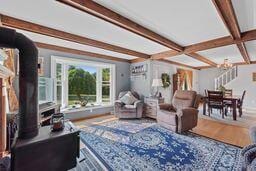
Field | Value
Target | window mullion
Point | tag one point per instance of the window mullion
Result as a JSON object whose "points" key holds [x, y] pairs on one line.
{"points": [[99, 85], [65, 84], [53, 75], [110, 86]]}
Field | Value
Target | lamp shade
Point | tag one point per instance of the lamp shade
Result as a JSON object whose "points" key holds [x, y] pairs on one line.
{"points": [[157, 83]]}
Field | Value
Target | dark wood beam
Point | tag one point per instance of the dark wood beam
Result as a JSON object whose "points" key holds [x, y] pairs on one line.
{"points": [[163, 60], [210, 44], [176, 63], [226, 12], [244, 52], [202, 58], [166, 54], [248, 36], [234, 64], [173, 53], [138, 60], [108, 15], [36, 28], [79, 52], [215, 43]]}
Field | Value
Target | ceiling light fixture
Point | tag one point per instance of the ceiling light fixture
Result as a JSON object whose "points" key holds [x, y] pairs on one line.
{"points": [[225, 65]]}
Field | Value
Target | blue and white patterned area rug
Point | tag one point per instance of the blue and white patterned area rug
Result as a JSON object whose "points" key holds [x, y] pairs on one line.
{"points": [[144, 145]]}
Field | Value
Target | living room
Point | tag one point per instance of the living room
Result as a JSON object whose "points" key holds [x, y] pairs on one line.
{"points": [[118, 85]]}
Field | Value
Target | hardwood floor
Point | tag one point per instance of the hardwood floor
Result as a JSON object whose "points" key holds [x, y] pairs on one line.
{"points": [[231, 134]]}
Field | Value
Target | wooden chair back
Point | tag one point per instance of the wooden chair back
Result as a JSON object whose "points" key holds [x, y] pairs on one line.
{"points": [[240, 103], [215, 98], [228, 92]]}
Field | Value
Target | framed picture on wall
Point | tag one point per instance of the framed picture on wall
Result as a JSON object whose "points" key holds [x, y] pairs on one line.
{"points": [[254, 76]]}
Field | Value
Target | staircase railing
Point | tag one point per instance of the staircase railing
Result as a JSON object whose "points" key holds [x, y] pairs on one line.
{"points": [[226, 77]]}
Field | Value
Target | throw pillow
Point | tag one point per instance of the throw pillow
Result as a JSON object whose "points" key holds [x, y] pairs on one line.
{"points": [[128, 98]]}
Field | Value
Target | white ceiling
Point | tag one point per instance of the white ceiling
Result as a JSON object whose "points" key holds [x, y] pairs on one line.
{"points": [[183, 21], [187, 60], [53, 14], [251, 48], [63, 43], [217, 55], [246, 14]]}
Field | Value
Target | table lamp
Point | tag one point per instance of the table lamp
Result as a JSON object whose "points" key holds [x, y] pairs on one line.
{"points": [[157, 83]]}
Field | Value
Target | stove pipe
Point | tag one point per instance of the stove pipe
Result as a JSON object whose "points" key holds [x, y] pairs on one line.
{"points": [[28, 80]]}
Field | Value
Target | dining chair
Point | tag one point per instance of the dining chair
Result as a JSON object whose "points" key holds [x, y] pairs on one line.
{"points": [[215, 101], [228, 103], [229, 106], [240, 104], [228, 92]]}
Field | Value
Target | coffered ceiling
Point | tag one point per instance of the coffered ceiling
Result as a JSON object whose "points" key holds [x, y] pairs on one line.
{"points": [[175, 31]]}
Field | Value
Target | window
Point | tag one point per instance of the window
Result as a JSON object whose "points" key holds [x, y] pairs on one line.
{"points": [[81, 83]]}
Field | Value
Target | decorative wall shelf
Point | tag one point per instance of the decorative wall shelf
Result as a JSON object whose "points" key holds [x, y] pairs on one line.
{"points": [[138, 71]]}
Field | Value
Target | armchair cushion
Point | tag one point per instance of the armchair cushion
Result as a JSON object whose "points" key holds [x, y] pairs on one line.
{"points": [[183, 99], [130, 106], [167, 107], [128, 98]]}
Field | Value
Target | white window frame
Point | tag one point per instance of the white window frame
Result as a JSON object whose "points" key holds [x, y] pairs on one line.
{"points": [[65, 61]]}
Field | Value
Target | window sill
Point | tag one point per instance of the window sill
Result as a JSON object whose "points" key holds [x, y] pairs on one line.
{"points": [[91, 108]]}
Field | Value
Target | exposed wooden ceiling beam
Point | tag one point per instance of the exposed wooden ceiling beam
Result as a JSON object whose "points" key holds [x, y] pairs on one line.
{"points": [[210, 44], [164, 60], [244, 52], [202, 58], [248, 36], [165, 54], [226, 12], [176, 63], [79, 52], [173, 53], [214, 43], [137, 60], [234, 64], [108, 15], [36, 28]]}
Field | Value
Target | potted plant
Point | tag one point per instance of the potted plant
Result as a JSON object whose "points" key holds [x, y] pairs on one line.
{"points": [[166, 80]]}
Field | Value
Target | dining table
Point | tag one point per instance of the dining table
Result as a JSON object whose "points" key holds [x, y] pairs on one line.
{"points": [[233, 99]]}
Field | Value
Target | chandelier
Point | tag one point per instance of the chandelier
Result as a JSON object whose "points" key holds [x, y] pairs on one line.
{"points": [[225, 65]]}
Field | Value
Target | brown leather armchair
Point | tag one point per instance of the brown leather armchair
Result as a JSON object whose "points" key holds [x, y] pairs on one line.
{"points": [[182, 114], [128, 111]]}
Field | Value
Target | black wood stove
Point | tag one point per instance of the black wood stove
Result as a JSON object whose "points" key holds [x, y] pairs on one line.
{"points": [[36, 148]]}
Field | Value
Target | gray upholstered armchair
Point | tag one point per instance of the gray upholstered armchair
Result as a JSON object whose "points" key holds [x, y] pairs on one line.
{"points": [[128, 111], [182, 114]]}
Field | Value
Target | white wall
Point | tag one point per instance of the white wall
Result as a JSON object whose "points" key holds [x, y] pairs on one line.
{"points": [[155, 69], [241, 83], [141, 83], [206, 79]]}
